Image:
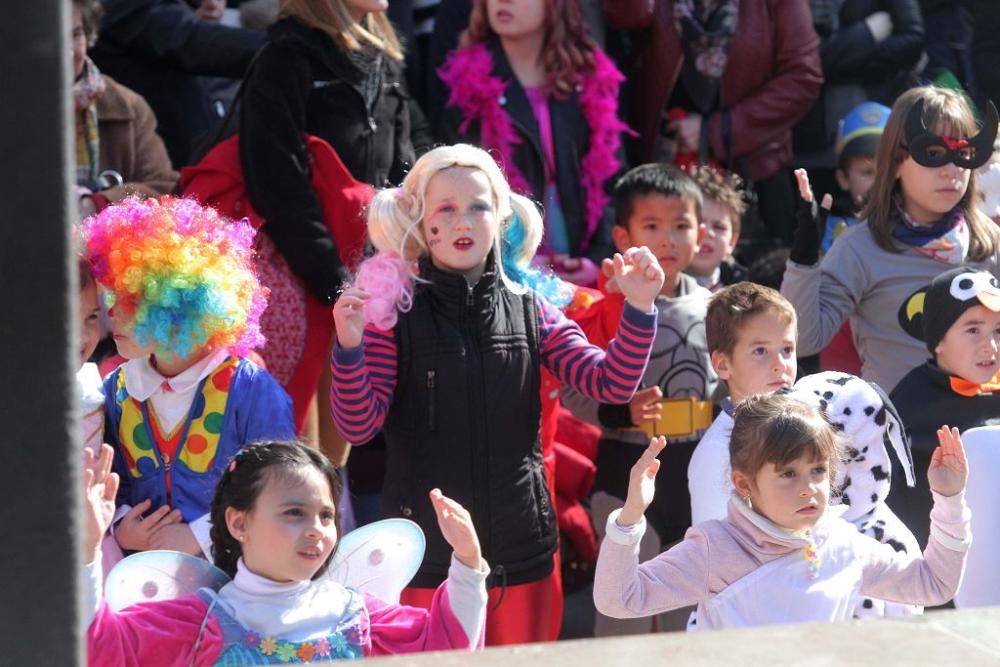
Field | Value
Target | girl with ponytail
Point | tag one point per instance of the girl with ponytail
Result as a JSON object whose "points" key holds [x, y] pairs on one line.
{"points": [[441, 348]]}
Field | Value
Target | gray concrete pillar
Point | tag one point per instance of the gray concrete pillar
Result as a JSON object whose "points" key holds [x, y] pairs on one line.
{"points": [[39, 468]]}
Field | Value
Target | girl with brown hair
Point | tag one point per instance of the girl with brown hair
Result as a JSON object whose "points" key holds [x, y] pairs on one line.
{"points": [[531, 86], [920, 218]]}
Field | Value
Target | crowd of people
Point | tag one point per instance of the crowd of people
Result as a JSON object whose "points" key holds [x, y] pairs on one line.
{"points": [[689, 301]]}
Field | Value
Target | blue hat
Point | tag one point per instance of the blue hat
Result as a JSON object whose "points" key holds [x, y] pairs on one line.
{"points": [[860, 130]]}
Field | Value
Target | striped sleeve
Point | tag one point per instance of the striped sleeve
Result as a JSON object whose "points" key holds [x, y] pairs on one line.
{"points": [[608, 377], [363, 383]]}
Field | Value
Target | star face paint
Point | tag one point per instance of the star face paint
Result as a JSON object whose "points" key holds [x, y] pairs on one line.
{"points": [[931, 150]]}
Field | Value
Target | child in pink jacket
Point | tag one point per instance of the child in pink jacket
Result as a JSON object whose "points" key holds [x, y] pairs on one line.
{"points": [[274, 530], [781, 555]]}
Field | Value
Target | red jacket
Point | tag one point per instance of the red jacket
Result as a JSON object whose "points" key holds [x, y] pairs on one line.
{"points": [[217, 181], [772, 78]]}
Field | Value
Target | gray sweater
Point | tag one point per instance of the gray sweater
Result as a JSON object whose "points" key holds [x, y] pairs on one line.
{"points": [[679, 362], [860, 281]]}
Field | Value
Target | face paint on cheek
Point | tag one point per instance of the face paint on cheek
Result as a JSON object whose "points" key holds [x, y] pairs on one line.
{"points": [[434, 241]]}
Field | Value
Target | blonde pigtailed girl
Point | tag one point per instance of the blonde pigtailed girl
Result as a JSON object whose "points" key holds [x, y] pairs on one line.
{"points": [[442, 351]]}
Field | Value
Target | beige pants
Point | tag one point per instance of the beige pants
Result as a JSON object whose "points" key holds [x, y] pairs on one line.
{"points": [[601, 507]]}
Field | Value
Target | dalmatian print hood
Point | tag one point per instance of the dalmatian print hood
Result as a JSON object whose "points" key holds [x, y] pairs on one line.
{"points": [[869, 426]]}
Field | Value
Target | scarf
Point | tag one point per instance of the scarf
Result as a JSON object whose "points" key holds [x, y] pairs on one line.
{"points": [[86, 90], [947, 240], [706, 28], [479, 96], [964, 387], [368, 60]]}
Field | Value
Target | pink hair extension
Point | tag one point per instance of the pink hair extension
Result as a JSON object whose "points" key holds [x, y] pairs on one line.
{"points": [[388, 279]]}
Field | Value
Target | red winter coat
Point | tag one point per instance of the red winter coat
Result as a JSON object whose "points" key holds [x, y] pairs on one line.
{"points": [[772, 78]]}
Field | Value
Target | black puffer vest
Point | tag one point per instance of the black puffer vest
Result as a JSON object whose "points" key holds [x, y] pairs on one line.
{"points": [[465, 418]]}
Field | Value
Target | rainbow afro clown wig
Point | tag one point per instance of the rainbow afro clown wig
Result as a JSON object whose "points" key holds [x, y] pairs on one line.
{"points": [[184, 272]]}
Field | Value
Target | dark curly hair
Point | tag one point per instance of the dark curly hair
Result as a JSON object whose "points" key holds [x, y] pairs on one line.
{"points": [[244, 481]]}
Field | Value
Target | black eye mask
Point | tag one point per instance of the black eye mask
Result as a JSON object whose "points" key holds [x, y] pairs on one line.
{"points": [[930, 150]]}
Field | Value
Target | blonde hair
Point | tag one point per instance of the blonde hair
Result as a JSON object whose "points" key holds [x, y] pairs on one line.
{"points": [[944, 110], [394, 214], [333, 18]]}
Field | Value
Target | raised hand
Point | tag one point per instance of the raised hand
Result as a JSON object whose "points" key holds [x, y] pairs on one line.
{"points": [[457, 529], [645, 406], [638, 276], [348, 318], [642, 483], [99, 488], [949, 470], [136, 532], [810, 222]]}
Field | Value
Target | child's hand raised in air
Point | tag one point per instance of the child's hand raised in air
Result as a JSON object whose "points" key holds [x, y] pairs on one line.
{"points": [[457, 529], [645, 406], [642, 483], [99, 488], [949, 469], [811, 222], [349, 319], [639, 277]]}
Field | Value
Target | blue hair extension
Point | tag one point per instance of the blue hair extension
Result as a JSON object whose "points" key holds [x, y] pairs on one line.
{"points": [[553, 289]]}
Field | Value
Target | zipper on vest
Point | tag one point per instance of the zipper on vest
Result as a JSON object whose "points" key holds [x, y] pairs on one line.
{"points": [[469, 294], [431, 419]]}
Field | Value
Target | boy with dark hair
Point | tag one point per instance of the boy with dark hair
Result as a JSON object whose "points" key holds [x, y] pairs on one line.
{"points": [[858, 137], [657, 206]]}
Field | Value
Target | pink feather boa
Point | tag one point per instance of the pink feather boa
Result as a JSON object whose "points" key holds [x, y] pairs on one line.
{"points": [[474, 90]]}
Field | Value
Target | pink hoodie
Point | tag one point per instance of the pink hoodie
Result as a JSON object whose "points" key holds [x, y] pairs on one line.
{"points": [[715, 555]]}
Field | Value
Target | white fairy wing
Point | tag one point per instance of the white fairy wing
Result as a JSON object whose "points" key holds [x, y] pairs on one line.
{"points": [[149, 576], [379, 559]]}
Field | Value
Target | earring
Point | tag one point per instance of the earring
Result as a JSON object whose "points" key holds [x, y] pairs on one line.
{"points": [[749, 503]]}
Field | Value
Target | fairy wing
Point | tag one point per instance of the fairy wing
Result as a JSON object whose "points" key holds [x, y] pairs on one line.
{"points": [[380, 558], [150, 576]]}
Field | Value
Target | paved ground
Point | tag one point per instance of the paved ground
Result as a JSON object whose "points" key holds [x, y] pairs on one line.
{"points": [[967, 638]]}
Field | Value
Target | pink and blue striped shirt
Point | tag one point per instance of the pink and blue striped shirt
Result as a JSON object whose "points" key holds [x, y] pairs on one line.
{"points": [[364, 378]]}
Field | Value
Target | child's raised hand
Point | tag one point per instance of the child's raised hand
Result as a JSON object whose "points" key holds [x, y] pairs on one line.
{"points": [[349, 319], [100, 486], [810, 222], [642, 483], [645, 406], [136, 532], [457, 529], [949, 470], [639, 277]]}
